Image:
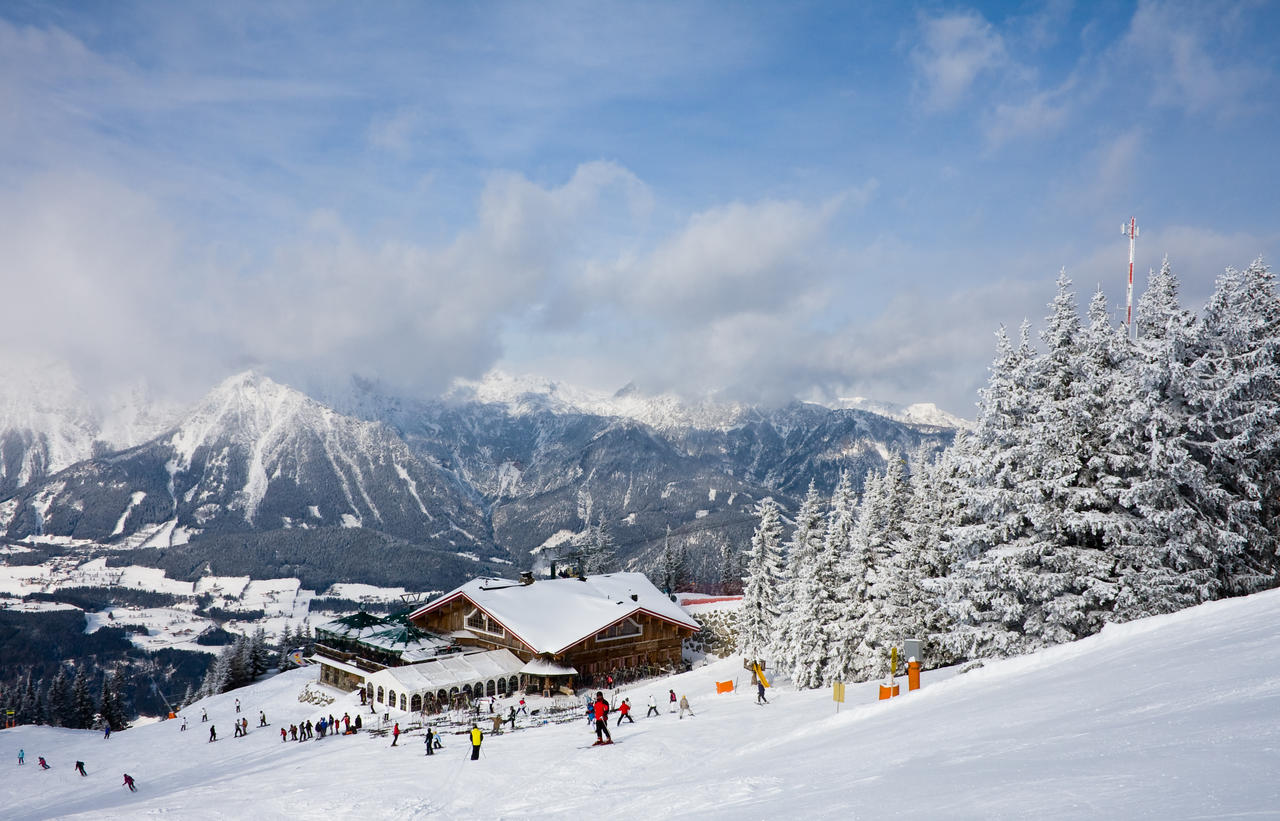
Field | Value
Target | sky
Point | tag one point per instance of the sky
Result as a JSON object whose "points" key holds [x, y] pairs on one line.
{"points": [[1167, 718], [748, 200]]}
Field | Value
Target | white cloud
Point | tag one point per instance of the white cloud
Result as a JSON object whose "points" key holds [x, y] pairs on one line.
{"points": [[953, 51]]}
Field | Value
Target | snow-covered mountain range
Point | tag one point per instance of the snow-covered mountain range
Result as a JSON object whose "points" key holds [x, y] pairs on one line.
{"points": [[496, 469]]}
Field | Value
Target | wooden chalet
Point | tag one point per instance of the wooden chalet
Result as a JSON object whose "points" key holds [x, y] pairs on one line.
{"points": [[571, 632]]}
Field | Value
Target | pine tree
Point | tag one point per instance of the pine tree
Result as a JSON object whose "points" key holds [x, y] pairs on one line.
{"points": [[818, 604], [758, 613], [58, 701], [259, 653], [83, 708], [598, 553], [110, 704], [288, 642], [800, 555]]}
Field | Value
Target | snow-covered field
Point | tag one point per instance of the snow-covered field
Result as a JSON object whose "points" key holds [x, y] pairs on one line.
{"points": [[1176, 717]]}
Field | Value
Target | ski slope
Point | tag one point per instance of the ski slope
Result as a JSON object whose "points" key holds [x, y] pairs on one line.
{"points": [[1175, 717]]}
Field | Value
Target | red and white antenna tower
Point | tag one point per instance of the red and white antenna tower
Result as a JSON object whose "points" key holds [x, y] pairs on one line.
{"points": [[1132, 230]]}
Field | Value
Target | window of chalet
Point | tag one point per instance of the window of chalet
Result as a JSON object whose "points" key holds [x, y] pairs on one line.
{"points": [[626, 629], [478, 620]]}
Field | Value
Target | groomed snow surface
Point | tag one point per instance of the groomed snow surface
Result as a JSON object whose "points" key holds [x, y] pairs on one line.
{"points": [[1175, 717]]}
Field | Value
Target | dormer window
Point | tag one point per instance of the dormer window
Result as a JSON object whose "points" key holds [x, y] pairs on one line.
{"points": [[479, 621], [625, 629]]}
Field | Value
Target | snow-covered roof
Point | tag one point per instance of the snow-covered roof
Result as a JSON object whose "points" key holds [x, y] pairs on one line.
{"points": [[543, 667], [551, 615], [444, 672]]}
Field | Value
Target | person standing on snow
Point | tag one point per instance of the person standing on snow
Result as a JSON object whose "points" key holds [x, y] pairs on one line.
{"points": [[760, 699], [22, 757], [684, 705], [183, 728], [395, 734], [522, 707], [128, 782], [601, 711], [512, 717], [624, 711], [213, 732], [204, 714], [477, 735], [673, 700], [430, 738], [284, 734], [106, 732], [653, 706], [497, 723], [262, 718], [237, 705]]}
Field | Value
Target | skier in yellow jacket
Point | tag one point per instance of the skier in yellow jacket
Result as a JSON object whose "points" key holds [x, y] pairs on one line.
{"points": [[477, 735]]}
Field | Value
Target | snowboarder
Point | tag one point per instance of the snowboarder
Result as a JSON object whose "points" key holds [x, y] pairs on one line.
{"points": [[653, 706], [395, 734], [22, 757], [673, 700], [237, 705], [128, 782], [684, 705], [183, 728], [44, 765], [477, 735], [601, 711], [262, 718], [106, 732], [624, 711], [760, 699], [213, 732], [80, 768], [204, 715], [431, 737]]}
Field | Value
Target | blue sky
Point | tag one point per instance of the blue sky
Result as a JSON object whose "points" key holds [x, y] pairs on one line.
{"points": [[759, 200]]}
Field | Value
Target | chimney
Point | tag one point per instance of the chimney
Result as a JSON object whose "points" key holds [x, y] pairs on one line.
{"points": [[526, 577]]}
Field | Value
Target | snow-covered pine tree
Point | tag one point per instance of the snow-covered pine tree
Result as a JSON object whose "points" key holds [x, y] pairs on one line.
{"points": [[758, 613], [598, 552], [1235, 381], [259, 653], [288, 643], [991, 472], [819, 605], [801, 553], [218, 677], [1168, 563]]}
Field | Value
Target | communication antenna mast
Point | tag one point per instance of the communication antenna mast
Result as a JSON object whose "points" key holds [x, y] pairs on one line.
{"points": [[1132, 230]]}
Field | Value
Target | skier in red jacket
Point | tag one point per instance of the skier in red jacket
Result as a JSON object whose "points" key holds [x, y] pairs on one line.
{"points": [[624, 711], [601, 711]]}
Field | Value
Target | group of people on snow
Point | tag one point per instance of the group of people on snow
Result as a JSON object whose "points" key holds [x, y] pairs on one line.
{"points": [[44, 765]]}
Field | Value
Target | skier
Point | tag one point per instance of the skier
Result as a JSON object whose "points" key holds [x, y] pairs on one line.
{"points": [[522, 708], [183, 728], [653, 706], [684, 705], [395, 734], [204, 715], [497, 723], [244, 726], [80, 768], [106, 732], [284, 734], [624, 711], [431, 737], [44, 765], [673, 700], [235, 732], [760, 699], [128, 782], [22, 757], [601, 711], [237, 705], [493, 700], [477, 735], [293, 731], [213, 733], [262, 718], [512, 718]]}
